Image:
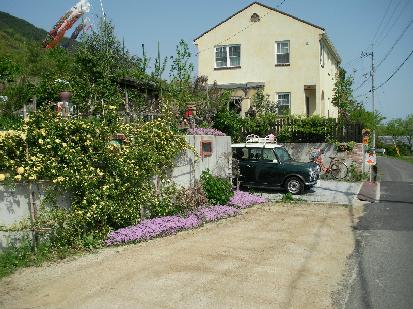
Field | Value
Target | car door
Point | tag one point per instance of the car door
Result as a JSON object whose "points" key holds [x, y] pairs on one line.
{"points": [[248, 164], [269, 171]]}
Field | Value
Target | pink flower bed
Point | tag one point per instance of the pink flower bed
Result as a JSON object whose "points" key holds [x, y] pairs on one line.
{"points": [[205, 131], [163, 226], [148, 229], [243, 200]]}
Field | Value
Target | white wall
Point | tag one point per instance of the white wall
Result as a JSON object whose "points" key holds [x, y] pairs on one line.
{"points": [[189, 166]]}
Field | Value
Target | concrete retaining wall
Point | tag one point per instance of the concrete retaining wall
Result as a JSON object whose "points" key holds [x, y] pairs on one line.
{"points": [[14, 202], [14, 207], [189, 166]]}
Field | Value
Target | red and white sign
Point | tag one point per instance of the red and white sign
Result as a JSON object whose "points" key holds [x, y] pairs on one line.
{"points": [[371, 158]]}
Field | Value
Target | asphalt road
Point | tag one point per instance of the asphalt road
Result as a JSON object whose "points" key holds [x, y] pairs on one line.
{"points": [[383, 272]]}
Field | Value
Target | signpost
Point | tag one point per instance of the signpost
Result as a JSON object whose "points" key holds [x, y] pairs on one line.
{"points": [[371, 159]]}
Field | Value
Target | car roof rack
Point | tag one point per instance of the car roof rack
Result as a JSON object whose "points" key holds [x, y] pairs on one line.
{"points": [[252, 138]]}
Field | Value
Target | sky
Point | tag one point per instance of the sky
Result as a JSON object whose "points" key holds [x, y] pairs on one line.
{"points": [[352, 25]]}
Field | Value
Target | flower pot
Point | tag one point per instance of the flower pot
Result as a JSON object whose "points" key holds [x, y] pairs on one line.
{"points": [[65, 95]]}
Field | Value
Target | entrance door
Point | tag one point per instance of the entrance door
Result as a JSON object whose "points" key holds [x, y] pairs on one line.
{"points": [[307, 106]]}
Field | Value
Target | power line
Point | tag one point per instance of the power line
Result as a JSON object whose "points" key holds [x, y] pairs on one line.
{"points": [[389, 29], [237, 33], [389, 78], [362, 84], [382, 20], [388, 22], [395, 43], [395, 72]]}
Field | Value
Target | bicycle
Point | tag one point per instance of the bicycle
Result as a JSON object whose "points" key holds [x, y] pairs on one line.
{"points": [[337, 168]]}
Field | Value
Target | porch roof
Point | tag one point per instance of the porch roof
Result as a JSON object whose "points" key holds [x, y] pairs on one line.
{"points": [[249, 85]]}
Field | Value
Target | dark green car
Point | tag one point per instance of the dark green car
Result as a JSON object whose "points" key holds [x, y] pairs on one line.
{"points": [[269, 165]]}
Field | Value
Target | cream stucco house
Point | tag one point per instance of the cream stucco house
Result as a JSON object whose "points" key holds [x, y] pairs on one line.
{"points": [[292, 60]]}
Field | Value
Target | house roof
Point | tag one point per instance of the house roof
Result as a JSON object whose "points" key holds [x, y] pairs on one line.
{"points": [[331, 47], [263, 5]]}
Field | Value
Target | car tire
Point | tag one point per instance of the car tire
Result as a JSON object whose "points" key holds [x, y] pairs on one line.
{"points": [[294, 185]]}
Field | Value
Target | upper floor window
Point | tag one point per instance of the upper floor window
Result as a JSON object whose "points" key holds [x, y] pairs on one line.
{"points": [[227, 56], [283, 103], [283, 52], [322, 54]]}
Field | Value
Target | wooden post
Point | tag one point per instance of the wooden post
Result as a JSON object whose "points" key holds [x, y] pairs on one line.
{"points": [[32, 209]]}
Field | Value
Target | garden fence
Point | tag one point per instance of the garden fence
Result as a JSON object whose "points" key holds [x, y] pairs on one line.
{"points": [[319, 131]]}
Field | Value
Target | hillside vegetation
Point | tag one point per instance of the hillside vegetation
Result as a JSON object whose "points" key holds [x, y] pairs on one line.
{"points": [[18, 38]]}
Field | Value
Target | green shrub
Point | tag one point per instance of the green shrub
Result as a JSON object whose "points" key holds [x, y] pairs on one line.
{"points": [[108, 183], [355, 174], [218, 190], [312, 129], [10, 122], [230, 123]]}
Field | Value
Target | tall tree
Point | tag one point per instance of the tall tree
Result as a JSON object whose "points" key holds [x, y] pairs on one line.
{"points": [[181, 73], [100, 60], [343, 94]]}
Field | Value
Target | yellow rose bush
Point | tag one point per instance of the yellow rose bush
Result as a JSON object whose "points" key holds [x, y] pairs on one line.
{"points": [[108, 183]]}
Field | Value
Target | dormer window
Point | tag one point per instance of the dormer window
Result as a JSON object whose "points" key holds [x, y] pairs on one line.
{"points": [[227, 56], [255, 18]]}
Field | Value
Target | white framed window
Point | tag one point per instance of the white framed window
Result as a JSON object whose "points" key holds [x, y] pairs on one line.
{"points": [[283, 103], [282, 54], [227, 56]]}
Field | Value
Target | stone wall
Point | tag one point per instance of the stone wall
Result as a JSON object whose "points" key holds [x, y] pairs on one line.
{"points": [[301, 152]]}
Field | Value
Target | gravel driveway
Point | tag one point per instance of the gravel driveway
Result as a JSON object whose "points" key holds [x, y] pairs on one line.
{"points": [[271, 256], [326, 191]]}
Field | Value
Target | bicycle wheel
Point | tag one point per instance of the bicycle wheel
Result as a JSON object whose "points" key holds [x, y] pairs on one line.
{"points": [[338, 170]]}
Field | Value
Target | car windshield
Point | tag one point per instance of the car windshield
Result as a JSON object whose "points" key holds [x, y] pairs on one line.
{"points": [[282, 154]]}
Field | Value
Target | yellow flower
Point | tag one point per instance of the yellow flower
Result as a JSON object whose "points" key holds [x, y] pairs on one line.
{"points": [[58, 179], [18, 177], [20, 170], [40, 141], [2, 177], [33, 177]]}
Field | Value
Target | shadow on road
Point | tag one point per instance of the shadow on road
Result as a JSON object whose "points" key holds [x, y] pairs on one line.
{"points": [[358, 271]]}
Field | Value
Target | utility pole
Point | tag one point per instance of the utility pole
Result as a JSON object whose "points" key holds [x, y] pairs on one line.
{"points": [[372, 97], [371, 54]]}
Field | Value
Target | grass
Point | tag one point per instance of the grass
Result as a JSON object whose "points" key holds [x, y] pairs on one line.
{"points": [[15, 257], [406, 158]]}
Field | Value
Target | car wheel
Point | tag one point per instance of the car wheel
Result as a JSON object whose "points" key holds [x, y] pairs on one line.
{"points": [[294, 185]]}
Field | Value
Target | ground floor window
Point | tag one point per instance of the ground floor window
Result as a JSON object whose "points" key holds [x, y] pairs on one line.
{"points": [[283, 103], [235, 104]]}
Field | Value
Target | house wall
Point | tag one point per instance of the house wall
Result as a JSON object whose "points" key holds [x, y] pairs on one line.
{"points": [[258, 56], [328, 77]]}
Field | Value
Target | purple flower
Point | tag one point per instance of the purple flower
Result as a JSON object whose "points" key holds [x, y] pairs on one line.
{"points": [[148, 229], [216, 212], [152, 228], [243, 200], [205, 131]]}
